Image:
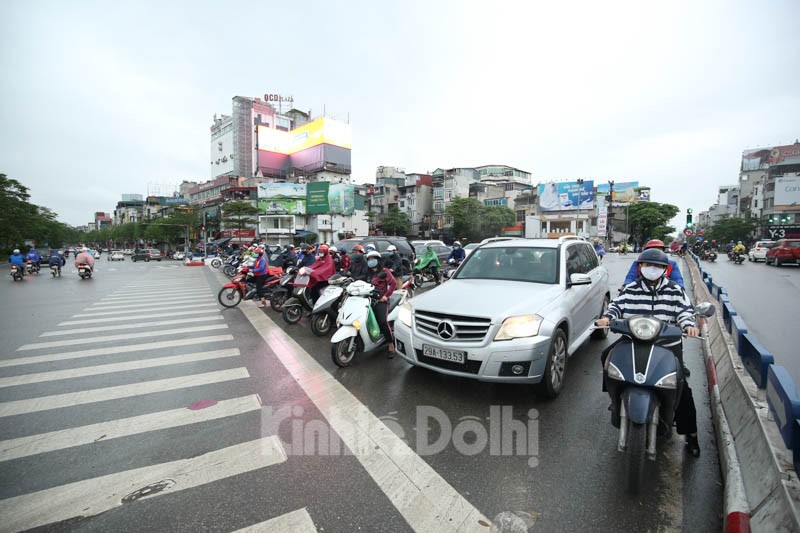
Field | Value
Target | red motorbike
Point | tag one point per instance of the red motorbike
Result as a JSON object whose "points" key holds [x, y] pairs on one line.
{"points": [[242, 286]]}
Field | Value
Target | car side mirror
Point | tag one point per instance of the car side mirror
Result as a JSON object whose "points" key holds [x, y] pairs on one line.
{"points": [[579, 279]]}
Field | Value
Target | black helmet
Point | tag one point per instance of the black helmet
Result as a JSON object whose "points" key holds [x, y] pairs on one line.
{"points": [[653, 256]]}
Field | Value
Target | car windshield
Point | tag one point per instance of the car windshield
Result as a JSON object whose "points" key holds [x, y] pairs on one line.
{"points": [[346, 246], [472, 246], [537, 265], [766, 244]]}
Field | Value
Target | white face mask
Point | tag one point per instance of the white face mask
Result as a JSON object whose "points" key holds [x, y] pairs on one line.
{"points": [[652, 273]]}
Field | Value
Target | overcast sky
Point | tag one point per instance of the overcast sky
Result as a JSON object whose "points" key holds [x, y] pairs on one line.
{"points": [[105, 98]]}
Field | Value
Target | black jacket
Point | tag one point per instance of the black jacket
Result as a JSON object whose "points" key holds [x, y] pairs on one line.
{"points": [[394, 263], [359, 269]]}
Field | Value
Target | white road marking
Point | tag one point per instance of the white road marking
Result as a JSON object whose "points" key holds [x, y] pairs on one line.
{"points": [[298, 521], [424, 498], [90, 497], [69, 399], [102, 307], [138, 317], [69, 373], [156, 298], [131, 326], [124, 427], [49, 358], [194, 304], [121, 337], [160, 291]]}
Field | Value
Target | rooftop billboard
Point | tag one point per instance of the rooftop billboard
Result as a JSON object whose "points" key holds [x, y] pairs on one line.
{"points": [[763, 158], [787, 191], [282, 198], [320, 131], [566, 196], [624, 192]]}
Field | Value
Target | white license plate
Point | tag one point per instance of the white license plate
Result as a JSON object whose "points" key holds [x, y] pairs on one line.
{"points": [[454, 356]]}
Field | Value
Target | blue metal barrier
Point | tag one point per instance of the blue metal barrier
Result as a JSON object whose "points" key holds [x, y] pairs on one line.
{"points": [[784, 403], [756, 359], [727, 312], [738, 329]]}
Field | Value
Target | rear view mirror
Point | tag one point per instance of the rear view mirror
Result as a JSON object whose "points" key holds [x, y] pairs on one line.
{"points": [[580, 279], [705, 309]]}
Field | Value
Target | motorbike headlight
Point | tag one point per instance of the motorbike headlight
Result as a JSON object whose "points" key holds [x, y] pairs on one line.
{"points": [[515, 327], [614, 372], [670, 381], [404, 314], [644, 328]]}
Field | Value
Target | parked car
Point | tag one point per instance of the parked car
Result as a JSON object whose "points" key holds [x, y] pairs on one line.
{"points": [[414, 244], [785, 251], [514, 312], [116, 255], [758, 252], [127, 251], [146, 254], [381, 243]]}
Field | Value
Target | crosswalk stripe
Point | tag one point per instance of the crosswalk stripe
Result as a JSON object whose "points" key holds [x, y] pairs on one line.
{"points": [[137, 317], [190, 304], [298, 521], [160, 286], [124, 427], [57, 401], [84, 371], [90, 497], [121, 337], [102, 307], [121, 294], [49, 358], [117, 327], [154, 298]]}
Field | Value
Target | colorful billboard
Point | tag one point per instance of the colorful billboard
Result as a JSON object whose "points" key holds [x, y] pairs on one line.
{"points": [[317, 198], [763, 158], [342, 198], [624, 192], [320, 131], [282, 198], [787, 191], [566, 196]]}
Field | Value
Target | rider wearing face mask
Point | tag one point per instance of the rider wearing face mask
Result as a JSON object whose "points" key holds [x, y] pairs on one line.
{"points": [[385, 285], [358, 264], [653, 294], [673, 272], [393, 262]]}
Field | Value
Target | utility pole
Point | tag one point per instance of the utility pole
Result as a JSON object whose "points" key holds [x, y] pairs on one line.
{"points": [[580, 199], [609, 225]]}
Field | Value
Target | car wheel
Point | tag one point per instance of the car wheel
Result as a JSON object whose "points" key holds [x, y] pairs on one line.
{"points": [[556, 366], [778, 262], [601, 333], [133, 259], [146, 259]]}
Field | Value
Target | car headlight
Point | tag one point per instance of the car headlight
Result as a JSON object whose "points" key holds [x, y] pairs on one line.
{"points": [[614, 372], [404, 314], [670, 381], [515, 327], [644, 328]]}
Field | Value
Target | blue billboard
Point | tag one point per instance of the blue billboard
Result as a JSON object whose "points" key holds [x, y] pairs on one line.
{"points": [[566, 196]]}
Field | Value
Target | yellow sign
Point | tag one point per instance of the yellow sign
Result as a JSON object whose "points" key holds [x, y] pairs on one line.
{"points": [[321, 131]]}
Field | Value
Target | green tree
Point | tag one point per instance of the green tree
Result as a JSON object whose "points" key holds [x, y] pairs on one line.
{"points": [[495, 218], [729, 228], [239, 215], [475, 221], [395, 222], [650, 220]]}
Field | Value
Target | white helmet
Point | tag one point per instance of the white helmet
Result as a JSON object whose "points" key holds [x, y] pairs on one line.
{"points": [[373, 253], [333, 249], [16, 250], [457, 243], [391, 248], [370, 248], [84, 249]]}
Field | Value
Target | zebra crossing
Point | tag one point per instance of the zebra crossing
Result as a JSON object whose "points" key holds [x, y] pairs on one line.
{"points": [[154, 357]]}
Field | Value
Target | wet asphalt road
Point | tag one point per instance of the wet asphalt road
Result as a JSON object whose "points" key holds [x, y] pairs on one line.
{"points": [[568, 477]]}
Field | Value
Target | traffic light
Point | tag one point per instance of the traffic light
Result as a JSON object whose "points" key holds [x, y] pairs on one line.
{"points": [[689, 222]]}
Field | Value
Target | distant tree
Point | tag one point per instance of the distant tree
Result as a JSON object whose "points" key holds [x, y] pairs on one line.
{"points": [[239, 215], [649, 220], [495, 217], [395, 222], [730, 228], [476, 221]]}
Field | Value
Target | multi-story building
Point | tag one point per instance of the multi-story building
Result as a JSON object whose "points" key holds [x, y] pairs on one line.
{"points": [[769, 182], [416, 201], [102, 220], [129, 209], [449, 184], [727, 204]]}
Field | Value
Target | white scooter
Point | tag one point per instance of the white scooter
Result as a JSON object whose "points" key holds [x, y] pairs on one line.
{"points": [[358, 328]]}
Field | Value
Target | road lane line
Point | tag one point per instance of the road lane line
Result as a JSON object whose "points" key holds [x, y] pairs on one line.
{"points": [[90, 497], [161, 286], [124, 336], [190, 305], [424, 498], [298, 521], [57, 401], [70, 373], [117, 327], [103, 307], [155, 298], [49, 358], [151, 315], [160, 292], [124, 427]]}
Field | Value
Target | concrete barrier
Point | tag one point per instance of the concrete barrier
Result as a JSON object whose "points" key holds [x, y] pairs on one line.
{"points": [[762, 492]]}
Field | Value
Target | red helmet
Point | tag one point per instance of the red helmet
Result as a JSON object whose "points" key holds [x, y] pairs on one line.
{"points": [[323, 249], [358, 248], [259, 251], [655, 243]]}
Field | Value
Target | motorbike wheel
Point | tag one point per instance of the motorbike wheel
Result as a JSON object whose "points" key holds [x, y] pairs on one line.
{"points": [[556, 369], [344, 351], [277, 299], [419, 279], [292, 314], [601, 333], [321, 324], [229, 297], [216, 262], [229, 271], [635, 451]]}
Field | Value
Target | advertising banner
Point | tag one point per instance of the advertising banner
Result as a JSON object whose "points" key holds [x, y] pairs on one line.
{"points": [[342, 198], [787, 191], [624, 192], [320, 131], [566, 196], [602, 221], [282, 198], [762, 158], [317, 198]]}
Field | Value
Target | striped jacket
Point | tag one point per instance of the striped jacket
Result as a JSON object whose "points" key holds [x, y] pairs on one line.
{"points": [[665, 301]]}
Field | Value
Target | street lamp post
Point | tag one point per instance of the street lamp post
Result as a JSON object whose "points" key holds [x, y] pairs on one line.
{"points": [[580, 200], [610, 215]]}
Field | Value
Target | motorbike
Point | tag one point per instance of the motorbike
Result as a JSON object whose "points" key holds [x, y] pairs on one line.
{"points": [[31, 267], [301, 302], [644, 380], [242, 287], [232, 266], [84, 271], [358, 328], [737, 258], [16, 273], [423, 271], [281, 293], [54, 271], [326, 308], [450, 269]]}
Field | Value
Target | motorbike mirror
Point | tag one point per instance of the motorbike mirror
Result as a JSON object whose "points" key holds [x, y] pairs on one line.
{"points": [[705, 309]]}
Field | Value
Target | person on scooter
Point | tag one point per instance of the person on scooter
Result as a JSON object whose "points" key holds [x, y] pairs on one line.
{"points": [[321, 272], [457, 253], [385, 284], [57, 260], [17, 259], [260, 274], [358, 268], [344, 260], [599, 250], [308, 258], [34, 257], [84, 258], [654, 294], [393, 261], [673, 272], [739, 249], [430, 260]]}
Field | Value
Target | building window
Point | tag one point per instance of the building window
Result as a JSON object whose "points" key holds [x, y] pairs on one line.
{"points": [[520, 216], [755, 203]]}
